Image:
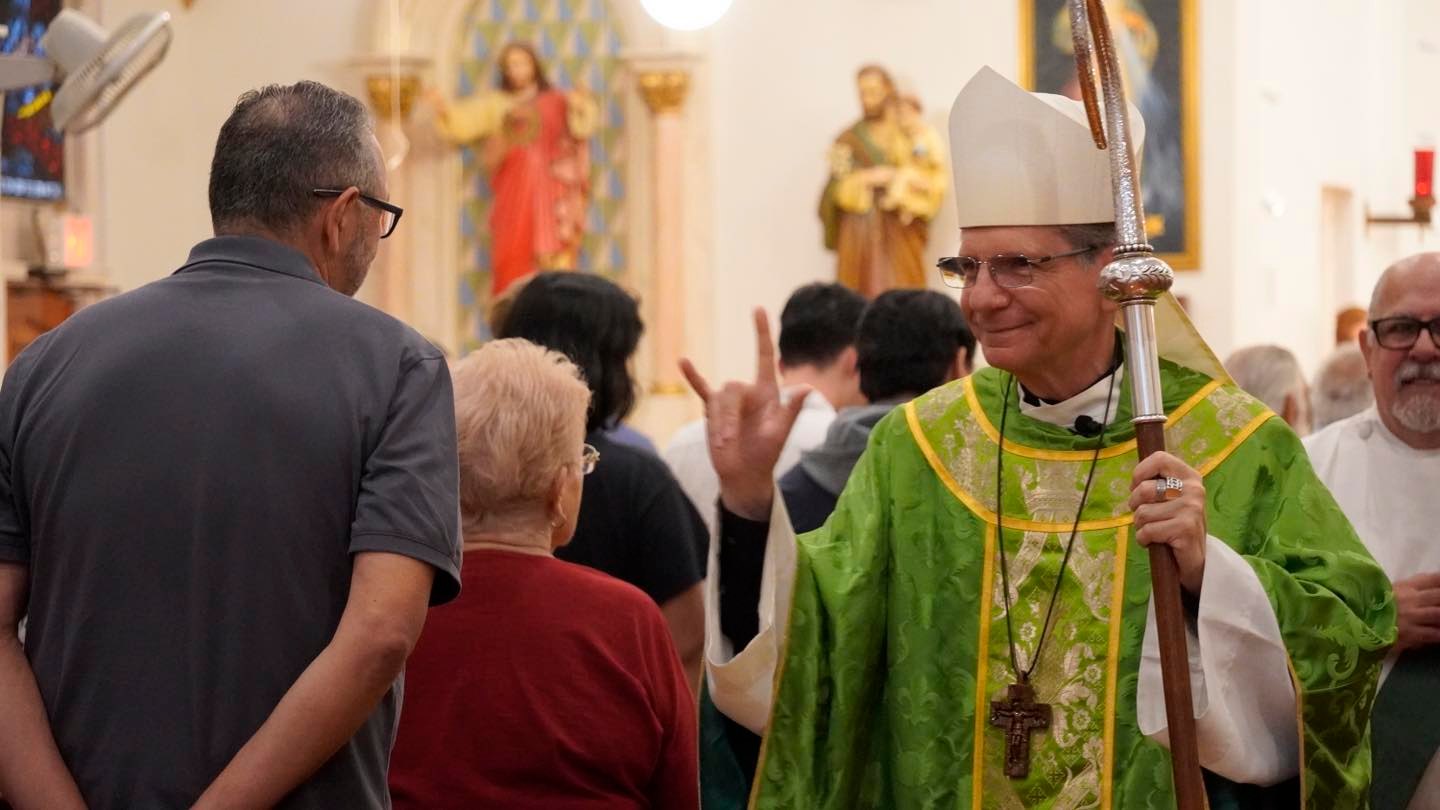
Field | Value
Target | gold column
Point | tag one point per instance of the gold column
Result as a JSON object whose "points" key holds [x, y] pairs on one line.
{"points": [[664, 91], [384, 89]]}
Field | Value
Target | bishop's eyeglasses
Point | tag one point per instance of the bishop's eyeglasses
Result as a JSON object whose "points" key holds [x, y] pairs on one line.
{"points": [[1401, 332], [1009, 270]]}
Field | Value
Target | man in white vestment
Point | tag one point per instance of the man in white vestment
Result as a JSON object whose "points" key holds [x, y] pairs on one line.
{"points": [[1383, 466]]}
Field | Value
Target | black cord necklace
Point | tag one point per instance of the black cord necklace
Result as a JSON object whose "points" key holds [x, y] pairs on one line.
{"points": [[1019, 713]]}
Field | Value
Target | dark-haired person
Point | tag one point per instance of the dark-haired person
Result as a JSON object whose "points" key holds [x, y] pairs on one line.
{"points": [[817, 350], [909, 342], [500, 309], [635, 522], [227, 499]]}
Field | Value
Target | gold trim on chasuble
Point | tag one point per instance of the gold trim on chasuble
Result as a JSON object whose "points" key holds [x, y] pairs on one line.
{"points": [[1042, 454], [1237, 418], [982, 669], [1112, 663]]}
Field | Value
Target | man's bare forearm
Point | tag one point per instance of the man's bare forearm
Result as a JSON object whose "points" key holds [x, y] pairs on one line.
{"points": [[32, 773], [334, 695]]}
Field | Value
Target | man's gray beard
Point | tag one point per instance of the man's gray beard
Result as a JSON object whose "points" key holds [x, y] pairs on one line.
{"points": [[1417, 410]]}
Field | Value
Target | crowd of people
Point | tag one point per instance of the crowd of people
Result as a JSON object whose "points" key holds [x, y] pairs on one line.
{"points": [[261, 545]]}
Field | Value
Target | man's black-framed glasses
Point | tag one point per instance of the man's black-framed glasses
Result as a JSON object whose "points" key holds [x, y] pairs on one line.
{"points": [[1008, 269], [389, 213], [1402, 331]]}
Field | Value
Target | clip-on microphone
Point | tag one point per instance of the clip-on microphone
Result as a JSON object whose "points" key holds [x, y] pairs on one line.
{"points": [[1087, 426]]}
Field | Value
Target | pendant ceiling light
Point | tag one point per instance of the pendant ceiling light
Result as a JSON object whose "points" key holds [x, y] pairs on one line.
{"points": [[686, 15]]}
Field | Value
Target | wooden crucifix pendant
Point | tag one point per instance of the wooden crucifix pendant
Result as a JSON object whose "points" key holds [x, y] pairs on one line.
{"points": [[1020, 716]]}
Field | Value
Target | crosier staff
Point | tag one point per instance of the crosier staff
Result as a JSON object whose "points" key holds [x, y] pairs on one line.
{"points": [[1134, 279]]}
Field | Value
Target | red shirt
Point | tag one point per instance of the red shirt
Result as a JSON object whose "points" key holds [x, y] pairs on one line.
{"points": [[546, 685]]}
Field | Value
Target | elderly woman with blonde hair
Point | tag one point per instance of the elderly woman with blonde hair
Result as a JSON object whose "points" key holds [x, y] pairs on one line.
{"points": [[547, 684]]}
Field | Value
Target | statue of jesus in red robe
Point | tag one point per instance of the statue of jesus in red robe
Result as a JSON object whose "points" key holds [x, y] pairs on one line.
{"points": [[532, 142]]}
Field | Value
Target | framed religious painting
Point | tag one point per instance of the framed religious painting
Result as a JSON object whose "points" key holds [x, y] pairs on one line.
{"points": [[1157, 44]]}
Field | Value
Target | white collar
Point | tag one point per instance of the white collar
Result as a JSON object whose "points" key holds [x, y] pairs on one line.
{"points": [[1090, 402]]}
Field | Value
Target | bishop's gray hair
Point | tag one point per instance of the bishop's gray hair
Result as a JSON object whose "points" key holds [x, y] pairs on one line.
{"points": [[279, 144], [1268, 373], [1095, 234]]}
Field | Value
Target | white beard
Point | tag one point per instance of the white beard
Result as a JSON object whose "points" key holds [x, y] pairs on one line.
{"points": [[1417, 410]]}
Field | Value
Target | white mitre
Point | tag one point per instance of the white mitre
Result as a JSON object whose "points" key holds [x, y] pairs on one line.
{"points": [[1023, 158]]}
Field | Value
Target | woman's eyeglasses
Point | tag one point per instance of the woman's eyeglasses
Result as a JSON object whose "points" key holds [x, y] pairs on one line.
{"points": [[588, 459]]}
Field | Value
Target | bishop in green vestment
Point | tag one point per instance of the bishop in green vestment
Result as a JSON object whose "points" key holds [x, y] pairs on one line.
{"points": [[993, 535]]}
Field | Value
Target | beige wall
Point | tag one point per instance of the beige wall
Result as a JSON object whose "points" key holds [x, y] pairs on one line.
{"points": [[1340, 106], [155, 149]]}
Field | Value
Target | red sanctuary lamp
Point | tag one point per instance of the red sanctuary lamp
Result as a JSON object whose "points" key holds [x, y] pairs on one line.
{"points": [[1423, 200]]}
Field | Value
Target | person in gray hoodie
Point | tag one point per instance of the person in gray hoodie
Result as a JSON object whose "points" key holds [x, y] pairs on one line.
{"points": [[908, 342]]}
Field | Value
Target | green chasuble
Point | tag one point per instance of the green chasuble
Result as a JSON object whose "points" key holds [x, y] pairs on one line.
{"points": [[897, 631]]}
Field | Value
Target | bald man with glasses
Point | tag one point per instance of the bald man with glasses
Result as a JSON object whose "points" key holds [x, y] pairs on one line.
{"points": [[1383, 465]]}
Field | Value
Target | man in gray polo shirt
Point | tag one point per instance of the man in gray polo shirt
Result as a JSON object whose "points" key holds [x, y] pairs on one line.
{"points": [[226, 500]]}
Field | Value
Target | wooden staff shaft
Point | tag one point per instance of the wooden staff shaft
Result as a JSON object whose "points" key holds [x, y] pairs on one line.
{"points": [[1174, 657]]}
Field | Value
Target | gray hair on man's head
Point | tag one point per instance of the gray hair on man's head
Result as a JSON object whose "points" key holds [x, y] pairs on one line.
{"points": [[1092, 235], [520, 419], [279, 144], [1342, 388], [1268, 373]]}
